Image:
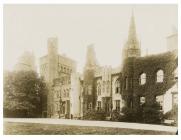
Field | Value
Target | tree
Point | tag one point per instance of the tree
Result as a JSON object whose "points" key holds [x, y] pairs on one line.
{"points": [[24, 92]]}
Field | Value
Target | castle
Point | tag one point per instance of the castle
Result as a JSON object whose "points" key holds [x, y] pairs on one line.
{"points": [[139, 80]]}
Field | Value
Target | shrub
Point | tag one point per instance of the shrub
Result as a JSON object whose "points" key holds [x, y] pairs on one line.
{"points": [[116, 115], [94, 115], [173, 114], [152, 113], [145, 114], [131, 115]]}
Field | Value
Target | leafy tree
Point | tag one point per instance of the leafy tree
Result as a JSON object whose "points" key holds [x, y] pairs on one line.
{"points": [[24, 92]]}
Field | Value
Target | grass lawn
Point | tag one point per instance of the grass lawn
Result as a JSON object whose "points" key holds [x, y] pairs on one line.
{"points": [[57, 129]]}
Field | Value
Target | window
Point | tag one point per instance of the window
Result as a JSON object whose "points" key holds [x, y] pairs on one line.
{"points": [[142, 100], [64, 94], [67, 95], [107, 86], [142, 79], [126, 83], [98, 89], [117, 86], [176, 74], [104, 86], [159, 99], [57, 94], [159, 76], [107, 107], [57, 107], [63, 108], [117, 105], [89, 90], [99, 105], [131, 82], [175, 98], [90, 106]]}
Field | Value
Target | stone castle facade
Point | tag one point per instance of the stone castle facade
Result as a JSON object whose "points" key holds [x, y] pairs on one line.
{"points": [[139, 80]]}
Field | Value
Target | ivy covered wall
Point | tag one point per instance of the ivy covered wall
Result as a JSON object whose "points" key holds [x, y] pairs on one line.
{"points": [[89, 92], [134, 67]]}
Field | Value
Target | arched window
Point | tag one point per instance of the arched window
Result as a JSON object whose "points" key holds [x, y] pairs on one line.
{"points": [[159, 76], [117, 86], [98, 89], [142, 79]]}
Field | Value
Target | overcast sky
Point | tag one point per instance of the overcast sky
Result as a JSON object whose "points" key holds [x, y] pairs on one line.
{"points": [[27, 27]]}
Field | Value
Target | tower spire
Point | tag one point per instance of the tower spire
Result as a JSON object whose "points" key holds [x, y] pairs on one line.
{"points": [[132, 46], [132, 38]]}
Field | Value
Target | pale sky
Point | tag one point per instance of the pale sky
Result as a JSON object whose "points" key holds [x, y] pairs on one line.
{"points": [[27, 27]]}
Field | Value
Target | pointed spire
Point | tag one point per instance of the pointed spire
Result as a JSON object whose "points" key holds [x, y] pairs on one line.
{"points": [[132, 38], [132, 46]]}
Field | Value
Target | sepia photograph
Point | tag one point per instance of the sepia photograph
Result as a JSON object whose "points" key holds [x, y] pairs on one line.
{"points": [[90, 69]]}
